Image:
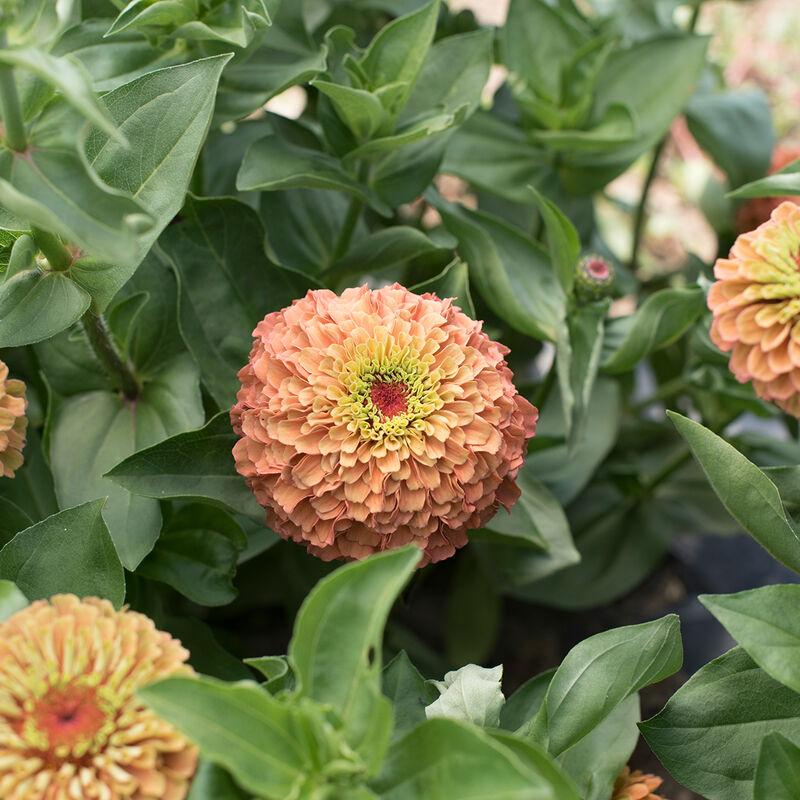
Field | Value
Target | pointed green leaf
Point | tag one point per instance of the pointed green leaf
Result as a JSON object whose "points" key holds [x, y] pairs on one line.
{"points": [[778, 769]]}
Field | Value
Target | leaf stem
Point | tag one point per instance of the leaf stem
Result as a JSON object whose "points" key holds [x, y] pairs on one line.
{"points": [[10, 109], [56, 253], [641, 211], [348, 227], [100, 341]]}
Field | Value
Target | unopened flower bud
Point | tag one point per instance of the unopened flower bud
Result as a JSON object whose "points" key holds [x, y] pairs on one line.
{"points": [[594, 276]]}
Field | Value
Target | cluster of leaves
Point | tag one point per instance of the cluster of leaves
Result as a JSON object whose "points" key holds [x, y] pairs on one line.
{"points": [[151, 212]]}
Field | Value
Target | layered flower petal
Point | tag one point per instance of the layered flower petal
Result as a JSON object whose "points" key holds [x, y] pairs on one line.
{"points": [[70, 724], [13, 423], [756, 307], [636, 786], [378, 418]]}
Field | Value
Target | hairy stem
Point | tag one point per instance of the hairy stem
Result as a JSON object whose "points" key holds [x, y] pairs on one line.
{"points": [[10, 109], [106, 352], [56, 253]]}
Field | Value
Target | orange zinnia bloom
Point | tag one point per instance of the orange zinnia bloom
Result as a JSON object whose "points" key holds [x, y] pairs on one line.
{"points": [[636, 786], [70, 725], [13, 423], [377, 419], [756, 305]]}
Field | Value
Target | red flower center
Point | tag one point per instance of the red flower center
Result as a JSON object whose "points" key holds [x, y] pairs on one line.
{"points": [[68, 715], [389, 397], [598, 268]]}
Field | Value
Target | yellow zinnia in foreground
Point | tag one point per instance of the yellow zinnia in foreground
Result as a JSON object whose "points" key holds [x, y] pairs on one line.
{"points": [[70, 725]]}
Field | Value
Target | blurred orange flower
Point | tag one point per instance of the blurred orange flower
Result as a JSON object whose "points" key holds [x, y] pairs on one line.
{"points": [[13, 423], [636, 786]]}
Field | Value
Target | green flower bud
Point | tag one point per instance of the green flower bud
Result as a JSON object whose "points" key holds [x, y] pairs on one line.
{"points": [[594, 276]]}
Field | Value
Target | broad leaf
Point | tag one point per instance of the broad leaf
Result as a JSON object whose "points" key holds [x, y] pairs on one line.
{"points": [[748, 494], [196, 465], [783, 182], [708, 735], [778, 769], [408, 691], [453, 282], [563, 243], [764, 622], [69, 552]]}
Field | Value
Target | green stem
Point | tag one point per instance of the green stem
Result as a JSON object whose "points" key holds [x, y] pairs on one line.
{"points": [[10, 109], [641, 211], [348, 227], [545, 387], [100, 340], [56, 253]]}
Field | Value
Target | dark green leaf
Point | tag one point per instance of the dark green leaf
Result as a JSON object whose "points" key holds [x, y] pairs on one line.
{"points": [[563, 243], [521, 708], [708, 734], [196, 465], [778, 769], [214, 783], [748, 494], [207, 655], [197, 553], [70, 552], [452, 281], [409, 693], [664, 317], [783, 182]]}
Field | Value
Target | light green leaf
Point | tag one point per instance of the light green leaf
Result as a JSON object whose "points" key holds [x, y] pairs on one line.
{"points": [[408, 691], [92, 432], [196, 465], [662, 319], [470, 694], [521, 708], [765, 624], [748, 494], [214, 783], [778, 769], [563, 243], [69, 552], [360, 110], [783, 182], [600, 672], [11, 599], [708, 734]]}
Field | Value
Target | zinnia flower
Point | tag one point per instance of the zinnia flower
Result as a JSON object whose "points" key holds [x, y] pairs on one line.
{"points": [[636, 786], [70, 725], [13, 423], [757, 210], [377, 419], [756, 305]]}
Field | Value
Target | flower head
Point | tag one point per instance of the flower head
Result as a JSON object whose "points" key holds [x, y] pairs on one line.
{"points": [[756, 306], [594, 276], [13, 423], [70, 725], [378, 418], [636, 786]]}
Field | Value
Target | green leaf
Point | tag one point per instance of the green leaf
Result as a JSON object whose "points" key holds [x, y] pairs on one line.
{"points": [[69, 78], [735, 128], [398, 51], [765, 624], [92, 432], [616, 127], [778, 769], [601, 671], [54, 188], [207, 655], [662, 319], [196, 465], [453, 282], [783, 182], [509, 269], [748, 494], [35, 305], [442, 759], [175, 101], [69, 552], [708, 734], [596, 761], [521, 708], [563, 243], [214, 783], [272, 163], [579, 342], [360, 110], [197, 553], [36, 21], [11, 599], [335, 651], [227, 285], [261, 741], [12, 519], [408, 691], [470, 694]]}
